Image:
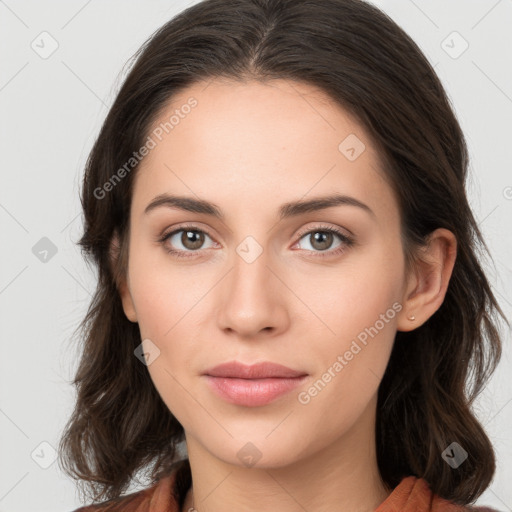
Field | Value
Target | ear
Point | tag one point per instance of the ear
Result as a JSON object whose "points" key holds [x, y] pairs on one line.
{"points": [[122, 279], [427, 284]]}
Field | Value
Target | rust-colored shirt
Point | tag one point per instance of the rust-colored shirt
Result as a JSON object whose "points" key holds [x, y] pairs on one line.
{"points": [[167, 495]]}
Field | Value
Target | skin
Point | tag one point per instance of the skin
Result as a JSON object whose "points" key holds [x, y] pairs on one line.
{"points": [[249, 148]]}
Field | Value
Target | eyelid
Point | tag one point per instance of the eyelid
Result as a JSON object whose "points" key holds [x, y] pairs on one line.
{"points": [[347, 240], [324, 227], [300, 233], [167, 234]]}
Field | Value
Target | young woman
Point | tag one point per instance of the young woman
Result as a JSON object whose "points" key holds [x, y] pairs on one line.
{"points": [[288, 274]]}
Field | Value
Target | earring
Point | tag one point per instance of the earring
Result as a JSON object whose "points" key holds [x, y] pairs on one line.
{"points": [[412, 317]]}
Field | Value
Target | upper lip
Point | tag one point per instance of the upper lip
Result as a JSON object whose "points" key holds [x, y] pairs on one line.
{"points": [[234, 369]]}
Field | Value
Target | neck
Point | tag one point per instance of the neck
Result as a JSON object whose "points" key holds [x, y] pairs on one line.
{"points": [[341, 476]]}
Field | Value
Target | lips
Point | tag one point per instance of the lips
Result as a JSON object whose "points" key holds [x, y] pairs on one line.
{"points": [[252, 386], [265, 370]]}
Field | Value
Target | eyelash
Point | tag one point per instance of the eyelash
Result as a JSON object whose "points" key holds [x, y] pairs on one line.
{"points": [[347, 241]]}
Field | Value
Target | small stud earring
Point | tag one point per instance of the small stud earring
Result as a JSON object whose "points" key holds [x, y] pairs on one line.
{"points": [[412, 317]]}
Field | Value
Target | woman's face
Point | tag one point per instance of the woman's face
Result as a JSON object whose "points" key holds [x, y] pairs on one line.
{"points": [[263, 282]]}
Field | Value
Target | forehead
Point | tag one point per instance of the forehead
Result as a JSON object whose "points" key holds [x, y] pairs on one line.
{"points": [[279, 140]]}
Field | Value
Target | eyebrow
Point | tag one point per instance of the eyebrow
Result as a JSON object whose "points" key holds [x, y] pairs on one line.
{"points": [[287, 210]]}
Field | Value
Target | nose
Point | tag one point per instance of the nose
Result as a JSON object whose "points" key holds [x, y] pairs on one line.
{"points": [[253, 300]]}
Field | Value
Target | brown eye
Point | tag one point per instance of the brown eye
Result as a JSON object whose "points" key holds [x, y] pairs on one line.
{"points": [[321, 240], [185, 241], [192, 240]]}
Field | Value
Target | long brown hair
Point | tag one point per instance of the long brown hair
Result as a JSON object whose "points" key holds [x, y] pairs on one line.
{"points": [[361, 58]]}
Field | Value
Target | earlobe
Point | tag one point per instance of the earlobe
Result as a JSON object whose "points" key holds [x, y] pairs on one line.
{"points": [[407, 320], [427, 288], [122, 285]]}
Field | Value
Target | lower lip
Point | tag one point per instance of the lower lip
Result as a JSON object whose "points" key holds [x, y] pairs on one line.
{"points": [[252, 392]]}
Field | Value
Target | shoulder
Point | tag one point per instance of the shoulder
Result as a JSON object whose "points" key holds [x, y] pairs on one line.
{"points": [[414, 493], [160, 497]]}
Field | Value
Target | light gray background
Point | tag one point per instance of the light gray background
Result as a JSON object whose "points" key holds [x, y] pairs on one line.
{"points": [[51, 110]]}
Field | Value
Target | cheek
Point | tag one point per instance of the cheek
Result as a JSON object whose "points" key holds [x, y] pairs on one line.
{"points": [[353, 354], [174, 389], [163, 292], [352, 296], [357, 304], [164, 302]]}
